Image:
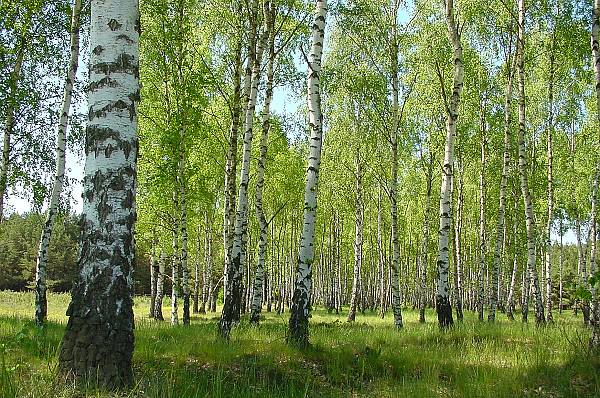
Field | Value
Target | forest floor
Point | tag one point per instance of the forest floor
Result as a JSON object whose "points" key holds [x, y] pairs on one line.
{"points": [[366, 358]]}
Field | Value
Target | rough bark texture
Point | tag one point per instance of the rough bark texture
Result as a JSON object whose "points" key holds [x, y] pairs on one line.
{"points": [[231, 166], [98, 341], [41, 305], [444, 310], [531, 276], [298, 324]]}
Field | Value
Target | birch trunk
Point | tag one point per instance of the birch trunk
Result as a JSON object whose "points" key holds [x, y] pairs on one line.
{"points": [[207, 274], [259, 276], [175, 267], [298, 324], [10, 119], [531, 277], [395, 263], [444, 310], [381, 258], [153, 275], [595, 315], [41, 304], [160, 288], [424, 254], [593, 318], [482, 236], [358, 238], [98, 341], [231, 166], [500, 226], [548, 243], [185, 277], [237, 261], [458, 262], [197, 272]]}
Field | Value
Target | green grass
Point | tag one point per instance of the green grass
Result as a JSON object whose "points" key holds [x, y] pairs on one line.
{"points": [[367, 358]]}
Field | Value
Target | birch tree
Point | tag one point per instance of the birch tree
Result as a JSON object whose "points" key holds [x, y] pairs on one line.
{"points": [[41, 305], [298, 323], [98, 341], [531, 274], [444, 310], [595, 308]]}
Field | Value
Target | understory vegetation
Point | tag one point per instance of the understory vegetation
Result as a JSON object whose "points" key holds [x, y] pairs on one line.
{"points": [[366, 358]]}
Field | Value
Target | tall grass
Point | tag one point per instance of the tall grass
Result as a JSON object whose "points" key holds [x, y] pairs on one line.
{"points": [[367, 358]]}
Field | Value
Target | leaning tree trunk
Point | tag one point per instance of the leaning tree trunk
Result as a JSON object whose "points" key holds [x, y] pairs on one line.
{"points": [[458, 261], [532, 276], [98, 341], [41, 304], [298, 324], [595, 315], [500, 226], [444, 310], [160, 288], [358, 238], [259, 275]]}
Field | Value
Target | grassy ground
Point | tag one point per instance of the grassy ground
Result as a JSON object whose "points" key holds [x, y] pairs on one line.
{"points": [[367, 358]]}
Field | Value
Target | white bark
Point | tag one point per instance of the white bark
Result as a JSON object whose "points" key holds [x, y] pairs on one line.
{"points": [[11, 109], [358, 238], [442, 295], [500, 226], [41, 306], [237, 260], [160, 288], [98, 342], [532, 276], [298, 324], [259, 276], [595, 40]]}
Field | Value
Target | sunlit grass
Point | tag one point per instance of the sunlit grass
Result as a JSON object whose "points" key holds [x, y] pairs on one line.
{"points": [[367, 358]]}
